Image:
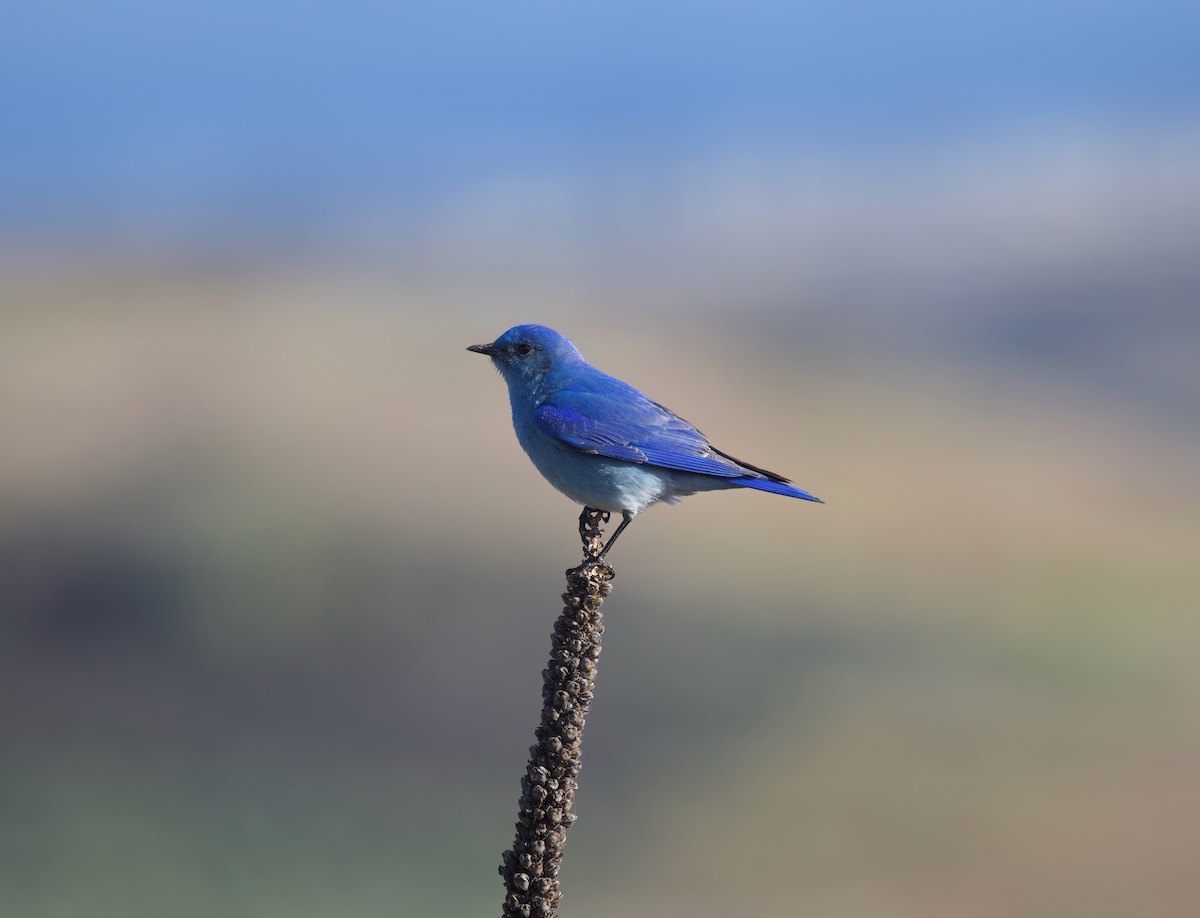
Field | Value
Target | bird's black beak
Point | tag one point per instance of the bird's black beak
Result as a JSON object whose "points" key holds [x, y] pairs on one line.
{"points": [[487, 350]]}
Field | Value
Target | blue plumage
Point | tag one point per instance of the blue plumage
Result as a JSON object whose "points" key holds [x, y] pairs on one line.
{"points": [[776, 487], [602, 442]]}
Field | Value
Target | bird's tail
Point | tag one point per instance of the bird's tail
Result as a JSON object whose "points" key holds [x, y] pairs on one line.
{"points": [[774, 487]]}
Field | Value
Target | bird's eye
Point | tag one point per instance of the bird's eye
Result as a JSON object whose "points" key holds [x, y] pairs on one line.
{"points": [[524, 350]]}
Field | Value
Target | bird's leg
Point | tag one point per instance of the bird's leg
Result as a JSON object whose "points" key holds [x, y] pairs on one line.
{"points": [[626, 519]]}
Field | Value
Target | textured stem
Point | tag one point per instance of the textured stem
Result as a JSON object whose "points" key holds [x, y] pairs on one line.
{"points": [[530, 869]]}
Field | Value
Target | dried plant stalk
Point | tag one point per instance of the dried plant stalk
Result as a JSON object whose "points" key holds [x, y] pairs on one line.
{"points": [[530, 869]]}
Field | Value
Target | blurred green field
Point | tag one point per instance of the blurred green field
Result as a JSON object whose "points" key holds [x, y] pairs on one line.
{"points": [[276, 585]]}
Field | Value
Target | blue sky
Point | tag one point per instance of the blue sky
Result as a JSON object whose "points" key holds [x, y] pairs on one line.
{"points": [[133, 114]]}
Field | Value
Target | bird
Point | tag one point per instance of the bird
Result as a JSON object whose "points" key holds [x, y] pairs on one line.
{"points": [[603, 443]]}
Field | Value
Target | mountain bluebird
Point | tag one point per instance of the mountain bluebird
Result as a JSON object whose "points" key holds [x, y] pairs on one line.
{"points": [[600, 441]]}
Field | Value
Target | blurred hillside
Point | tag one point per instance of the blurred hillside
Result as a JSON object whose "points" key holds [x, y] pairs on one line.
{"points": [[276, 585]]}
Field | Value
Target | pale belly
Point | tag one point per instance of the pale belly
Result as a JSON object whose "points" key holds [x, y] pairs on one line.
{"points": [[609, 484]]}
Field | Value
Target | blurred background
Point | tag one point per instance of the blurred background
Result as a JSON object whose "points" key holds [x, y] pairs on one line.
{"points": [[276, 582]]}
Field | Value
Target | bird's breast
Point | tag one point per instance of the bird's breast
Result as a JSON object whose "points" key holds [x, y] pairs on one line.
{"points": [[588, 479]]}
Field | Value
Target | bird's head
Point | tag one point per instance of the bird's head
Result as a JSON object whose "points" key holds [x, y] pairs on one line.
{"points": [[526, 353]]}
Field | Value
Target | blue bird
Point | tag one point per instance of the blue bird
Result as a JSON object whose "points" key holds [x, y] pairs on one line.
{"points": [[603, 443]]}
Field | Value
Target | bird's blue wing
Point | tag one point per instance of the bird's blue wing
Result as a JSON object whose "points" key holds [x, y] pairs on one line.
{"points": [[616, 421], [584, 434]]}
